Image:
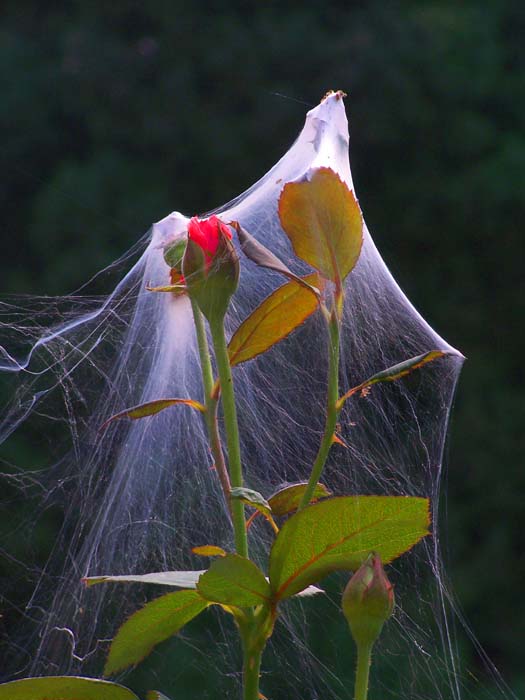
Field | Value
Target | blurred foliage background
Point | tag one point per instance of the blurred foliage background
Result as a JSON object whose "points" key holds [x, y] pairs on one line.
{"points": [[114, 114]]}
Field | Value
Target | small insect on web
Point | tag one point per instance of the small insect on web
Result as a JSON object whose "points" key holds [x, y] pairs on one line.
{"points": [[141, 494]]}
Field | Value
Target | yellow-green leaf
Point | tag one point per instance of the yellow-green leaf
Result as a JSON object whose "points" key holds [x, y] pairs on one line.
{"points": [[339, 533], [152, 624], [234, 580], [274, 319], [64, 688], [174, 288], [322, 219], [393, 373], [287, 499], [150, 408], [209, 550]]}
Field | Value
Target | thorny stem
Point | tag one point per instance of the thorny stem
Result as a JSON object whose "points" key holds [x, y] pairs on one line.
{"points": [[232, 431], [364, 659], [332, 411], [210, 403]]}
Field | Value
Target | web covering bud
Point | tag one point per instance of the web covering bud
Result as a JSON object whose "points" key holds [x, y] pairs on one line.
{"points": [[210, 266], [368, 601]]}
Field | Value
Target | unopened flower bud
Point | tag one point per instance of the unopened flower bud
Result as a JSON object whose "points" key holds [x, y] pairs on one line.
{"points": [[210, 266], [368, 601]]}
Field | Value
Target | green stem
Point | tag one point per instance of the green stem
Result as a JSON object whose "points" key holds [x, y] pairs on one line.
{"points": [[332, 411], [250, 674], [251, 658], [210, 403], [232, 431], [364, 659]]}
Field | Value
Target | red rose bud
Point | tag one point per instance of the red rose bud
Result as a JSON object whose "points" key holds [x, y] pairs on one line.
{"points": [[210, 266], [368, 601], [207, 234]]}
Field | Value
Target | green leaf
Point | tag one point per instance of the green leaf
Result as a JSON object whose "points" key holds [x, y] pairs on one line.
{"points": [[339, 533], [251, 498], [156, 695], [152, 407], [178, 579], [274, 319], [287, 499], [322, 219], [152, 624], [234, 580], [262, 256], [64, 688], [393, 373]]}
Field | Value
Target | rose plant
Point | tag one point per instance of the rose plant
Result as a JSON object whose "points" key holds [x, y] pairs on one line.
{"points": [[315, 533]]}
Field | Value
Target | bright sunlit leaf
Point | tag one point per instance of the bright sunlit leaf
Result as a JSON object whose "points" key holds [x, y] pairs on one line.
{"points": [[274, 319], [287, 499], [339, 533], [178, 579], [152, 624], [322, 219], [151, 408], [234, 580], [393, 373], [64, 688]]}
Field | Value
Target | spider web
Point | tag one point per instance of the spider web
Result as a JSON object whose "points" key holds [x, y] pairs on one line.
{"points": [[139, 496]]}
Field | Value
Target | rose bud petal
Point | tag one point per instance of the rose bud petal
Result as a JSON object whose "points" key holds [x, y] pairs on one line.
{"points": [[207, 234]]}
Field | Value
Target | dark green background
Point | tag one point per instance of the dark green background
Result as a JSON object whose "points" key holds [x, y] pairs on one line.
{"points": [[114, 114]]}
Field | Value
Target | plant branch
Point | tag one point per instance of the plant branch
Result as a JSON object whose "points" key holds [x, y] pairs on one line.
{"points": [[332, 410], [210, 402]]}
